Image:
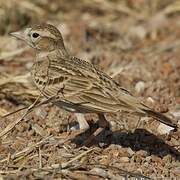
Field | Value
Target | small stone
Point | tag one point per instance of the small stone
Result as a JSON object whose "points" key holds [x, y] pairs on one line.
{"points": [[148, 158], [167, 158], [176, 113], [40, 175], [29, 65], [139, 170], [124, 159], [86, 17], [130, 152], [150, 100], [178, 122], [41, 113], [139, 87], [175, 142], [156, 159], [123, 152], [138, 159], [113, 125], [145, 119], [146, 164], [141, 153], [164, 129], [39, 130], [99, 171], [138, 31], [105, 160]]}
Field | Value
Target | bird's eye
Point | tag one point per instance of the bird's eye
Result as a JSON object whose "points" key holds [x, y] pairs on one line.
{"points": [[35, 35]]}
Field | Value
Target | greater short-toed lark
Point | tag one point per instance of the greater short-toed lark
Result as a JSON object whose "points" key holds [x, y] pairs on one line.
{"points": [[77, 85]]}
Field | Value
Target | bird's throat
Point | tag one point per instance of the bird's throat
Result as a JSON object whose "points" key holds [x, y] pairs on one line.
{"points": [[57, 53], [42, 54]]}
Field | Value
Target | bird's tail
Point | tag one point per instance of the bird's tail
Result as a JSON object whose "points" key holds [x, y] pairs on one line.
{"points": [[160, 117]]}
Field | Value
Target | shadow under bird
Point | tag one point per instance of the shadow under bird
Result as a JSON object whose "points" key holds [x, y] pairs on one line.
{"points": [[78, 86]]}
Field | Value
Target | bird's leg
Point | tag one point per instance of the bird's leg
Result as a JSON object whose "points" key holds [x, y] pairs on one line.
{"points": [[103, 123], [83, 125]]}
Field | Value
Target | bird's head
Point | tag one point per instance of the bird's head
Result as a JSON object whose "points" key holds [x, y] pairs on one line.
{"points": [[43, 37]]}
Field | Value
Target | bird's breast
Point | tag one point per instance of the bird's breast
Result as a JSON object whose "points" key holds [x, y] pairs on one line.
{"points": [[39, 73]]}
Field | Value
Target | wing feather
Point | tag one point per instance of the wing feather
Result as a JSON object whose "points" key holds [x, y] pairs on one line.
{"points": [[82, 82]]}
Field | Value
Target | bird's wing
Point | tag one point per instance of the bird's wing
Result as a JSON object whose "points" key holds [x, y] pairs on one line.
{"points": [[81, 83]]}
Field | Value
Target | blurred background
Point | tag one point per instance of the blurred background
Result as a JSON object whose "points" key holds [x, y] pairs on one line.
{"points": [[137, 42]]}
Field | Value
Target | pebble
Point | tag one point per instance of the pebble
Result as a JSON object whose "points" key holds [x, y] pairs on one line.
{"points": [[41, 113], [138, 31], [124, 159], [140, 86], [175, 142], [164, 129], [123, 152], [167, 158], [141, 153], [29, 65], [145, 119], [150, 100], [99, 171], [176, 113], [138, 159], [148, 158], [156, 159], [39, 130], [113, 125], [130, 152]]}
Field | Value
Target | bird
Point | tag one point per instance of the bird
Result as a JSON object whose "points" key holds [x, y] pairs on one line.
{"points": [[79, 86]]}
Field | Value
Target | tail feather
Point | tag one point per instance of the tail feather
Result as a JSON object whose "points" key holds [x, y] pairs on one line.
{"points": [[160, 117]]}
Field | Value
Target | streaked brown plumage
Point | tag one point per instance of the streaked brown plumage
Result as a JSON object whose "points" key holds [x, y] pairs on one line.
{"points": [[79, 86]]}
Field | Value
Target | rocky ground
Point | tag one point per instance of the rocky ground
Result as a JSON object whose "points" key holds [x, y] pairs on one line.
{"points": [[135, 42]]}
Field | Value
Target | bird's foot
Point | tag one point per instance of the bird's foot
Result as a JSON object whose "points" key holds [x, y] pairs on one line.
{"points": [[90, 139], [73, 133]]}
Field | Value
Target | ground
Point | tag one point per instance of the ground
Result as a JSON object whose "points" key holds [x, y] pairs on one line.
{"points": [[135, 42]]}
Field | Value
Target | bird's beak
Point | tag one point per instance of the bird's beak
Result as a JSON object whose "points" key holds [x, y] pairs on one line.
{"points": [[19, 34], [23, 34]]}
